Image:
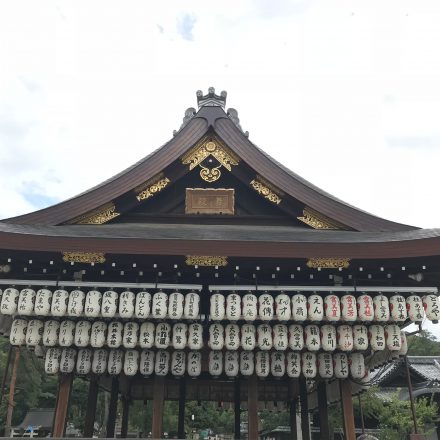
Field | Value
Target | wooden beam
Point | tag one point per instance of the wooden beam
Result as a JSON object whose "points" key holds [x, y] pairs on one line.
{"points": [[92, 400], [237, 408], [62, 404], [125, 412], [323, 411], [182, 401], [293, 397], [158, 404], [112, 408], [347, 409], [253, 407], [305, 425]]}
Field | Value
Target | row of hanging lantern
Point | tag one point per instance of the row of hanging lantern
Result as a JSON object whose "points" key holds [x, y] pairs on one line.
{"points": [[230, 363], [94, 303], [281, 307]]}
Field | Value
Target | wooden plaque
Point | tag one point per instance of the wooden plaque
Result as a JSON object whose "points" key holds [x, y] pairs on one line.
{"points": [[209, 201]]}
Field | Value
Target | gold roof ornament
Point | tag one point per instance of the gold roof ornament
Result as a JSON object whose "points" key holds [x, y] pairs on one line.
{"points": [[317, 220], [98, 216], [206, 260], [151, 187], [328, 263], [83, 257], [267, 190]]}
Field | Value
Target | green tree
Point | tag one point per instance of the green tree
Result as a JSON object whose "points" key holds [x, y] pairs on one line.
{"points": [[423, 344]]}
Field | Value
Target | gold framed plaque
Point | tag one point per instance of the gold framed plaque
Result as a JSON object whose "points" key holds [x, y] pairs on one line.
{"points": [[209, 201]]}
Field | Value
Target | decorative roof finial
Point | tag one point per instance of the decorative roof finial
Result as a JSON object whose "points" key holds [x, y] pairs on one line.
{"points": [[211, 99]]}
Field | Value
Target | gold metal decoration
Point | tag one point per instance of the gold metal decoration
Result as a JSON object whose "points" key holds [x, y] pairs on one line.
{"points": [[207, 148], [204, 260], [318, 221], [83, 257], [151, 187], [266, 190], [209, 201], [98, 216], [328, 263]]}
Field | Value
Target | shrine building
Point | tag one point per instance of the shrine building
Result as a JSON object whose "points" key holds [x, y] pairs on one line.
{"points": [[208, 271]]}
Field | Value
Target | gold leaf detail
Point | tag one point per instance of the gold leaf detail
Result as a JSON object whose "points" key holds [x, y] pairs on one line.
{"points": [[98, 216], [265, 191], [152, 189], [328, 263], [83, 257], [203, 260], [318, 221]]}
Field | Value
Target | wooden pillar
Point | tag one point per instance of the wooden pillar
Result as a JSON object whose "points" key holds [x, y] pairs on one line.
{"points": [[11, 403], [324, 427], [237, 408], [158, 404], [305, 425], [182, 401], [92, 400], [253, 407], [112, 408], [347, 409], [293, 390], [62, 404], [125, 412]]}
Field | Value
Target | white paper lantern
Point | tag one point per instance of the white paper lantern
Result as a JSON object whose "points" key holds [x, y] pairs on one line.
{"points": [[163, 335], [82, 333], [247, 363], [194, 364], [233, 307], [293, 364], [109, 305], [404, 344], [43, 301], [315, 308], [432, 307], [215, 363], [345, 337], [309, 365], [60, 301], [178, 360], [192, 304], [283, 310], [99, 362], [250, 308], [159, 307], [340, 365], [9, 301], [232, 364], [265, 307], [115, 362], [50, 333], [130, 336], [360, 337], [262, 363], [312, 337], [414, 306], [146, 335], [264, 337], [93, 302], [17, 335], [26, 302], [175, 305], [84, 361], [365, 308], [34, 332], [52, 361], [376, 335], [76, 303], [179, 338], [98, 334], [217, 307], [67, 360], [381, 307], [195, 336], [146, 364], [277, 364], [357, 365], [393, 338], [348, 308], [131, 362], [280, 337], [67, 333], [332, 307], [398, 308], [142, 307], [216, 337], [328, 337], [296, 337], [162, 363], [126, 304], [232, 337], [248, 337], [114, 334], [299, 307], [325, 365]]}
